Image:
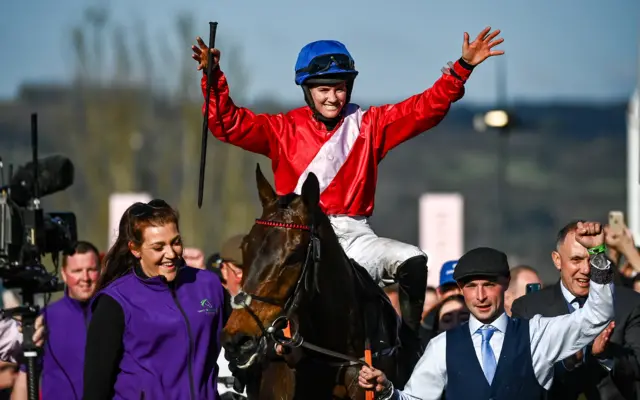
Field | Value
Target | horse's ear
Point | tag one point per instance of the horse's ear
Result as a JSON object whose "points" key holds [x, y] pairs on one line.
{"points": [[265, 191], [311, 191]]}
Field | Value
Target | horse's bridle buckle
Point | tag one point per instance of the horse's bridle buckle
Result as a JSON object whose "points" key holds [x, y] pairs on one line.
{"points": [[240, 301]]}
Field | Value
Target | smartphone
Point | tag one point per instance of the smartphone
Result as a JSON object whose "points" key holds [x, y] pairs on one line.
{"points": [[616, 222], [533, 287]]}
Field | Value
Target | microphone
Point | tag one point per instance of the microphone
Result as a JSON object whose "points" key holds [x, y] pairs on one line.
{"points": [[55, 173]]}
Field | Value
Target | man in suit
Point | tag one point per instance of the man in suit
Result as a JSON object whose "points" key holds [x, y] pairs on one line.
{"points": [[608, 368]]}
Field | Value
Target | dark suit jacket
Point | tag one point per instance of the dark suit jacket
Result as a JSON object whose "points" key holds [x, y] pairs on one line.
{"points": [[592, 379]]}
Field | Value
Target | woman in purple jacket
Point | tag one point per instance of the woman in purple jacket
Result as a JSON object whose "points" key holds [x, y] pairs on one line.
{"points": [[155, 329]]}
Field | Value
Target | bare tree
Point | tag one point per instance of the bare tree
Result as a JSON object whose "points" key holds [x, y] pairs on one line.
{"points": [[115, 113], [228, 207], [97, 18], [103, 120]]}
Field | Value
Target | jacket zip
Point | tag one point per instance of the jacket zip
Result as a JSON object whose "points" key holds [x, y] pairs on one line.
{"points": [[85, 315], [192, 390]]}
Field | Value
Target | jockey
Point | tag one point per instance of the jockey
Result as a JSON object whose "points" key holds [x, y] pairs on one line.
{"points": [[342, 145]]}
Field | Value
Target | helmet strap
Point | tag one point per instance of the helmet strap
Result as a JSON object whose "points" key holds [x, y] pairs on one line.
{"points": [[329, 123]]}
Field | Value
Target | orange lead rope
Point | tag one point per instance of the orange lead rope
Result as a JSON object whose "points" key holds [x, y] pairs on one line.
{"points": [[370, 394], [287, 331]]}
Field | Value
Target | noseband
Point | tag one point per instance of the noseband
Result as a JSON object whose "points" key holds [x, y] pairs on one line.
{"points": [[243, 300]]}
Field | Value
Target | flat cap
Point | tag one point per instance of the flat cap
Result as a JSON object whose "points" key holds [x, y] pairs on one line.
{"points": [[481, 262]]}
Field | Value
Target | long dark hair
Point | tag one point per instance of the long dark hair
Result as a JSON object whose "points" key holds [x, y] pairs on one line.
{"points": [[119, 261]]}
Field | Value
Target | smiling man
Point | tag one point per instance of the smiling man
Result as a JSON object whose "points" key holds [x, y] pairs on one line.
{"points": [[497, 357], [66, 322], [608, 367]]}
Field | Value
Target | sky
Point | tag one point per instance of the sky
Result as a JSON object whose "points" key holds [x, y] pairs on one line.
{"points": [[555, 50]]}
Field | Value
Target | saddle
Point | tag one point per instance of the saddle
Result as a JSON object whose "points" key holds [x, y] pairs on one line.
{"points": [[382, 323]]}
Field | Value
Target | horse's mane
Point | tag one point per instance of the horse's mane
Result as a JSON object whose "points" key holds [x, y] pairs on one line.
{"points": [[322, 223]]}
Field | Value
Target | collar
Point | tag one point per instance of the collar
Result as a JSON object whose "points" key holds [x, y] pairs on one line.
{"points": [[159, 282], [73, 302], [568, 296], [499, 323]]}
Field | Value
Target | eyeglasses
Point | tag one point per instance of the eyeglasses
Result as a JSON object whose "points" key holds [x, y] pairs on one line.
{"points": [[143, 209], [324, 62]]}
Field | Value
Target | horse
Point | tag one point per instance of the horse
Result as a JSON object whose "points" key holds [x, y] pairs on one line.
{"points": [[298, 276]]}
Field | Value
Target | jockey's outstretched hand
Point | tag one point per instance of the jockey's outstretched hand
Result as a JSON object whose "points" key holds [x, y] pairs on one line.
{"points": [[371, 378], [481, 48], [200, 55]]}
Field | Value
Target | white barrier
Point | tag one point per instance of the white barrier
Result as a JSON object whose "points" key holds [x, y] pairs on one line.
{"points": [[633, 165]]}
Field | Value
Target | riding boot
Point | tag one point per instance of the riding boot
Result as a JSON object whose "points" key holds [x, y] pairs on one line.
{"points": [[412, 281]]}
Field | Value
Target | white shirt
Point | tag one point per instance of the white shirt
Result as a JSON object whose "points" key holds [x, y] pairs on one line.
{"points": [[569, 297], [552, 339]]}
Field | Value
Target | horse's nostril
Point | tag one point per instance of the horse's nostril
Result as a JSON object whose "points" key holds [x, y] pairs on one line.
{"points": [[238, 341], [244, 343]]}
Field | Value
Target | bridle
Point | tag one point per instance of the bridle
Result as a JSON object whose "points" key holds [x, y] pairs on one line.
{"points": [[243, 300]]}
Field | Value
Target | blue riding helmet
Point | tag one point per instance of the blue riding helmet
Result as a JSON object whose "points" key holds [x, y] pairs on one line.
{"points": [[324, 57]]}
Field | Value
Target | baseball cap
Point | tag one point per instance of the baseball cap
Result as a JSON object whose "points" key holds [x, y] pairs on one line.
{"points": [[231, 249], [482, 261], [446, 272]]}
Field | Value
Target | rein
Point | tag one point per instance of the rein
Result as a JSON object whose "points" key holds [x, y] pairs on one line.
{"points": [[243, 300]]}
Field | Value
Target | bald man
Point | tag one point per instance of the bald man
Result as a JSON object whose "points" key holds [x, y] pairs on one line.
{"points": [[521, 276]]}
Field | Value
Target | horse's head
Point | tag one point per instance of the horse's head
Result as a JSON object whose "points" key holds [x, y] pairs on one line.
{"points": [[279, 257]]}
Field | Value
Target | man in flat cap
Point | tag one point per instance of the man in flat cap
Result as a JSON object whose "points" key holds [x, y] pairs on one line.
{"points": [[497, 357]]}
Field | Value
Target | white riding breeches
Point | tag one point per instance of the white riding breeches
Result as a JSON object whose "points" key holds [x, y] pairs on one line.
{"points": [[379, 256]]}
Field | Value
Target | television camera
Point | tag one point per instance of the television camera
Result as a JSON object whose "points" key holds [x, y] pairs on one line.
{"points": [[27, 234]]}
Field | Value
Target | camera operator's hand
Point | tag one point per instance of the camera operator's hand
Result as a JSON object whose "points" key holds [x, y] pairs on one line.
{"points": [[38, 335]]}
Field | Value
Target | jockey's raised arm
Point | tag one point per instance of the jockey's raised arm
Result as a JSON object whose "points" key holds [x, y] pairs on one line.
{"points": [[397, 123], [253, 132]]}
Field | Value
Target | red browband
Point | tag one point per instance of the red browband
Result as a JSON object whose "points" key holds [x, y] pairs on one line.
{"points": [[283, 224]]}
